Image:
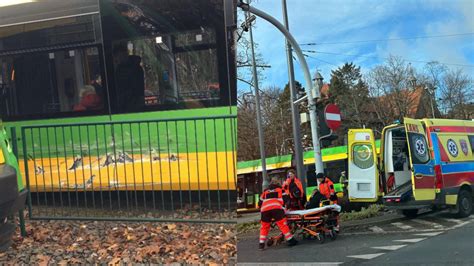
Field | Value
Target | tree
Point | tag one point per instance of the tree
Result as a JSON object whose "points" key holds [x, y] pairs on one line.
{"points": [[247, 144], [392, 95], [454, 89], [281, 118], [273, 127], [244, 56], [350, 92], [457, 94], [276, 122]]}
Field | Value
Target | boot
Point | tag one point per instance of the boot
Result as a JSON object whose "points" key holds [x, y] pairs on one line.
{"points": [[261, 246], [292, 242]]}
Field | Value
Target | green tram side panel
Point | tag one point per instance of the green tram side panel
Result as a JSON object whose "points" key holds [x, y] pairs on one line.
{"points": [[134, 138], [306, 155], [270, 160]]}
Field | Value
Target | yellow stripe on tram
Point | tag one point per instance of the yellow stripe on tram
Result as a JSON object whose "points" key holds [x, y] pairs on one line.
{"points": [[198, 171]]}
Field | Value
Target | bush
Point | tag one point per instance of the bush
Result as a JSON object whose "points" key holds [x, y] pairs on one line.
{"points": [[371, 211]]}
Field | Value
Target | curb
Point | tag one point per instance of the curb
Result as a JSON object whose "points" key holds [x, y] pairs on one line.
{"points": [[373, 220], [364, 222]]}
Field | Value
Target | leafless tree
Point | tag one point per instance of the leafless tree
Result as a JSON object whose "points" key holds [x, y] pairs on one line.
{"points": [[393, 97], [457, 94], [247, 145], [244, 56]]}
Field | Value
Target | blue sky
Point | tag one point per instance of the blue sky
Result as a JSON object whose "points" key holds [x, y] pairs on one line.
{"points": [[347, 21]]}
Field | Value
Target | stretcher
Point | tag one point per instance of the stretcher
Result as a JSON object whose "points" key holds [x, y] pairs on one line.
{"points": [[317, 223]]}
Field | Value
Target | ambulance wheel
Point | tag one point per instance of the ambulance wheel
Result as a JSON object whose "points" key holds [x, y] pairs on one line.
{"points": [[410, 213], [464, 204]]}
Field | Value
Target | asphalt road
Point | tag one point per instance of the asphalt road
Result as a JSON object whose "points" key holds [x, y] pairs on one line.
{"points": [[435, 238], [455, 247]]}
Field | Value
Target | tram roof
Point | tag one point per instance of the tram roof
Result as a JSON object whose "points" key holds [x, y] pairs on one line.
{"points": [[30, 11]]}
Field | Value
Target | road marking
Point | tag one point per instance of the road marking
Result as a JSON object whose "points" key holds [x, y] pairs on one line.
{"points": [[394, 247], [432, 224], [290, 264], [376, 229], [403, 226], [412, 240], [452, 220], [429, 234], [461, 224], [366, 256], [314, 263]]}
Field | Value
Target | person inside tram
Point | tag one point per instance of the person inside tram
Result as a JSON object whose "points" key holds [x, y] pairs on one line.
{"points": [[97, 84], [130, 80], [89, 100]]}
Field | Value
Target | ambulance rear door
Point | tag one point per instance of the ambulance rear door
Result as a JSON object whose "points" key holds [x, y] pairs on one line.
{"points": [[422, 176], [362, 166]]}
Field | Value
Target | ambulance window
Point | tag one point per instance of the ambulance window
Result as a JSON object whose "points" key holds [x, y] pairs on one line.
{"points": [[418, 148], [363, 155], [471, 140]]}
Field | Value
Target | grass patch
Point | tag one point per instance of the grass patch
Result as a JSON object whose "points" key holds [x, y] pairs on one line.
{"points": [[371, 211], [246, 227]]}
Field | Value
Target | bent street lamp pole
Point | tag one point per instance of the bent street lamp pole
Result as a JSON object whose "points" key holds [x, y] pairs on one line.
{"points": [[311, 101], [261, 141]]}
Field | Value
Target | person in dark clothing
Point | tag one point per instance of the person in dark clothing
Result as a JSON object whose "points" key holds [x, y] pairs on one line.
{"points": [[130, 81], [315, 200], [326, 187], [294, 189]]}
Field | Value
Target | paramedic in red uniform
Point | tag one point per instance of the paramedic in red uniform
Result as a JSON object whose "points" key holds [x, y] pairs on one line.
{"points": [[272, 202], [326, 187], [294, 189]]}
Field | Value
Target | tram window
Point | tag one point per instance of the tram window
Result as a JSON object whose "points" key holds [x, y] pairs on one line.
{"points": [[163, 70], [197, 75], [48, 83], [165, 54]]}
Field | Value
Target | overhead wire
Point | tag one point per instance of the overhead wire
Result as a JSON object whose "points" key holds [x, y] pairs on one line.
{"points": [[329, 63], [392, 39], [380, 57]]}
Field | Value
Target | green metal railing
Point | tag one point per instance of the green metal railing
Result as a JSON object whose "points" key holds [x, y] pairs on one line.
{"points": [[150, 170]]}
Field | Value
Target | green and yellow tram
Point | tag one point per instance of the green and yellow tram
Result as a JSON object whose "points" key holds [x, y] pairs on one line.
{"points": [[120, 94], [249, 173]]}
